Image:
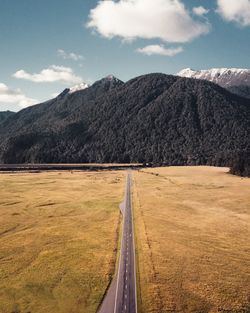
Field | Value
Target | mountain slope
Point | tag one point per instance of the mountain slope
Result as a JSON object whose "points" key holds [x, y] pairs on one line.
{"points": [[153, 118], [243, 91], [4, 115]]}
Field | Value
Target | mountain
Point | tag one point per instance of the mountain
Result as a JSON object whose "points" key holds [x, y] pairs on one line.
{"points": [[243, 91], [152, 118], [233, 79], [4, 115], [225, 77], [79, 87]]}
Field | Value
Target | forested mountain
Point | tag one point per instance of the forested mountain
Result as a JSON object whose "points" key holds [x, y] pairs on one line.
{"points": [[153, 118], [243, 91], [4, 115]]}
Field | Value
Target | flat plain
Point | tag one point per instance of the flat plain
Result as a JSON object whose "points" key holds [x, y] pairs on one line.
{"points": [[192, 233], [58, 237]]}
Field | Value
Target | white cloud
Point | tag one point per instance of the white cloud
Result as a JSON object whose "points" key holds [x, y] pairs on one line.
{"points": [[235, 11], [69, 55], [167, 20], [14, 96], [160, 50], [51, 74], [200, 11]]}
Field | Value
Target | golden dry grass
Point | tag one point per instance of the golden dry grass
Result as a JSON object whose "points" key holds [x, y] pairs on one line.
{"points": [[58, 236], [193, 230]]}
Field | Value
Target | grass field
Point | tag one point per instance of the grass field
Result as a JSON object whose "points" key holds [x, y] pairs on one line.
{"points": [[58, 236], [193, 236]]}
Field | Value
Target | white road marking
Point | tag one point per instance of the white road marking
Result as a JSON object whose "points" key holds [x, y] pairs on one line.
{"points": [[132, 213]]}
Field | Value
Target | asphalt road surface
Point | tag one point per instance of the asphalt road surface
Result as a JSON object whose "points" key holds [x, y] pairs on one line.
{"points": [[121, 296]]}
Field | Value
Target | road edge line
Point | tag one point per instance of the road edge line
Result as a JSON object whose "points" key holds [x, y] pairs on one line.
{"points": [[120, 258], [132, 209]]}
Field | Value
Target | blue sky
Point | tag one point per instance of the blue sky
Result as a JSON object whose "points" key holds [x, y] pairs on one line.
{"points": [[32, 32]]}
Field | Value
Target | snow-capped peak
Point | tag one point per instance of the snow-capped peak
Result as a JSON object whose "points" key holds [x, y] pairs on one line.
{"points": [[223, 76], [79, 87], [111, 78], [186, 72]]}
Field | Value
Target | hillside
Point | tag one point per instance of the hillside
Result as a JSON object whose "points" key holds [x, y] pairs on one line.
{"points": [[153, 118], [243, 91], [4, 115]]}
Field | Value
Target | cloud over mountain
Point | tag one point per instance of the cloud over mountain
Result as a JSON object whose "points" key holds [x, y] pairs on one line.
{"points": [[167, 20], [53, 73]]}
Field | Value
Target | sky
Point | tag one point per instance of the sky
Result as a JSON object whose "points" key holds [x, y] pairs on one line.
{"points": [[47, 46]]}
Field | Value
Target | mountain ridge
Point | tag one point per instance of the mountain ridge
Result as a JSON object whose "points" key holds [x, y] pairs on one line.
{"points": [[234, 79], [156, 118], [225, 77], [5, 114]]}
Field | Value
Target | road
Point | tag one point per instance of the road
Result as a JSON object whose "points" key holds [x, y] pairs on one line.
{"points": [[121, 296]]}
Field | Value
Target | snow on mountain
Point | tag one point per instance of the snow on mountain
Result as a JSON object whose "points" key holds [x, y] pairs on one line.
{"points": [[79, 87], [111, 78], [225, 77], [82, 86]]}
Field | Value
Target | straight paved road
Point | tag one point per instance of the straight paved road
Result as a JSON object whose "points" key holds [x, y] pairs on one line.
{"points": [[121, 297]]}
